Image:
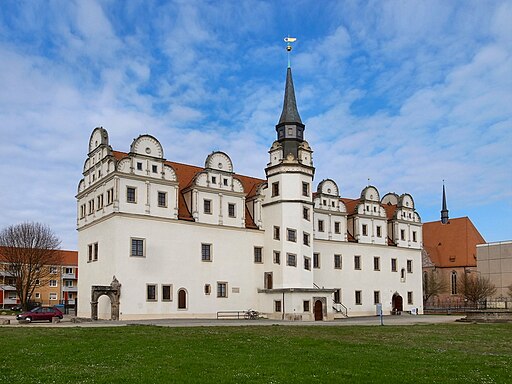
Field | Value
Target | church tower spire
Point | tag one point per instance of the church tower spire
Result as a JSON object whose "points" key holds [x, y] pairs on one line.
{"points": [[444, 210]]}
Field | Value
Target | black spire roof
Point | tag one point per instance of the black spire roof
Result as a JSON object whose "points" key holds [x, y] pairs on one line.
{"points": [[290, 113], [444, 211]]}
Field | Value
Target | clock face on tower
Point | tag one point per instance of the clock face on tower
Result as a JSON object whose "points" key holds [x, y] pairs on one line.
{"points": [[148, 146]]}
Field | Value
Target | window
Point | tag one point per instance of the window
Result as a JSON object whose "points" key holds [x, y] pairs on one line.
{"points": [[53, 270], [68, 270], [376, 263], [231, 210], [305, 189], [38, 295], [99, 202], [154, 169], [454, 283], [206, 252], [414, 236], [376, 297], [291, 235], [337, 262], [214, 180], [166, 292], [337, 227], [91, 206], [53, 283], [53, 296], [307, 263], [402, 275], [207, 289], [379, 231], [277, 257], [182, 299], [277, 233], [358, 298], [151, 292], [320, 225], [337, 296], [305, 237], [409, 266], [393, 265], [96, 250], [316, 260], [305, 213], [68, 283], [277, 306], [139, 166], [275, 189], [291, 259], [110, 196], [137, 247], [357, 262], [82, 211], [402, 234], [225, 182], [409, 298], [365, 230], [162, 199], [207, 206], [268, 283], [305, 305], [130, 194], [258, 255], [222, 289]]}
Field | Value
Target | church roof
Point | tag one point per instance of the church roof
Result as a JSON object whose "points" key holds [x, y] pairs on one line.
{"points": [[452, 244], [290, 114]]}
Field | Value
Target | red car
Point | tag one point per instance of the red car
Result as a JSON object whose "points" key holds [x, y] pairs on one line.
{"points": [[40, 313]]}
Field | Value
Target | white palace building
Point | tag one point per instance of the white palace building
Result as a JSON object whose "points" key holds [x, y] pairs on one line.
{"points": [[159, 239]]}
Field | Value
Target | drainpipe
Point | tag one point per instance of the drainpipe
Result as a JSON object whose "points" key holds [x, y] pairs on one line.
{"points": [[283, 307]]}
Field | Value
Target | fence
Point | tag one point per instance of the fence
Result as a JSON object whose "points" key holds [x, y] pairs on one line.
{"points": [[461, 306]]}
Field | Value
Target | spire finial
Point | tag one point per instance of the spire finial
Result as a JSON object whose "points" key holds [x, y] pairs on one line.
{"points": [[444, 210], [289, 40]]}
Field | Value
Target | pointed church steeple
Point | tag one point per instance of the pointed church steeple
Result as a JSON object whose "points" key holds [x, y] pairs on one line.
{"points": [[444, 210], [290, 130]]}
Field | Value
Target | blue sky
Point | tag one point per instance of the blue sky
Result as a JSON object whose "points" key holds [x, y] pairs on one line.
{"points": [[404, 93]]}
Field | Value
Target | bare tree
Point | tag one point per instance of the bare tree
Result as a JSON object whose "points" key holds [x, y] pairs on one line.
{"points": [[510, 290], [433, 285], [29, 250], [475, 288]]}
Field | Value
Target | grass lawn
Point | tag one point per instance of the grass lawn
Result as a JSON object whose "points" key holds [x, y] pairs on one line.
{"points": [[448, 353]]}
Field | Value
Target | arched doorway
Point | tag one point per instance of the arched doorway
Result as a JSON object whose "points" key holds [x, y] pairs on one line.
{"points": [[319, 311], [182, 299], [113, 291], [397, 303], [268, 280]]}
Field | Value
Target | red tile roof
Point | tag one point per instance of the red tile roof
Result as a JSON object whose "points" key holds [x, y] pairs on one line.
{"points": [[69, 258], [452, 244]]}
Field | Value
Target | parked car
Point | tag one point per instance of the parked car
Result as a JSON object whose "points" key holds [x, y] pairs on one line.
{"points": [[30, 305], [40, 313]]}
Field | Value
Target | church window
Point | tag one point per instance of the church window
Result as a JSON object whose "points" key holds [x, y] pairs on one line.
{"points": [[277, 233], [206, 252], [305, 213], [151, 292], [139, 166], [316, 260], [166, 292], [358, 298], [154, 168], [402, 234], [130, 194], [365, 230], [291, 259], [337, 227], [376, 263], [307, 263], [277, 257], [291, 235], [320, 225], [393, 265], [409, 266], [207, 205], [275, 189], [222, 289], [305, 238], [357, 262], [376, 297], [258, 254], [305, 305], [379, 231], [231, 210], [454, 283], [137, 247], [409, 298], [162, 199], [337, 262], [277, 306], [305, 189]]}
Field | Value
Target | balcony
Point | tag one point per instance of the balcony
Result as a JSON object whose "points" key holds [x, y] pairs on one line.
{"points": [[69, 289], [69, 276]]}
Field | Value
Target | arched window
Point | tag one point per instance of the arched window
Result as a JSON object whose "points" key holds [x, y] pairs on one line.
{"points": [[454, 283], [425, 281], [182, 299], [402, 275]]}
